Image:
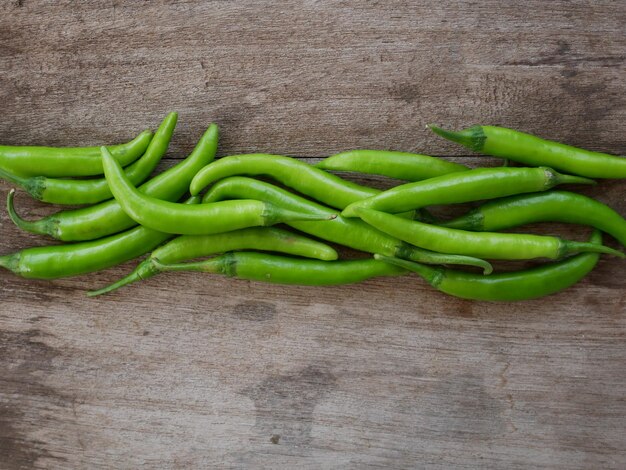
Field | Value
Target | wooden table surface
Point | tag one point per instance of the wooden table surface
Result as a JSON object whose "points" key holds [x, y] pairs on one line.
{"points": [[198, 371]]}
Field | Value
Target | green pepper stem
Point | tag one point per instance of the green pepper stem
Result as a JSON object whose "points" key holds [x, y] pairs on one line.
{"points": [[420, 255], [12, 178], [33, 185], [427, 257], [571, 247], [28, 226], [472, 137], [144, 270], [560, 178], [9, 262], [431, 275]]}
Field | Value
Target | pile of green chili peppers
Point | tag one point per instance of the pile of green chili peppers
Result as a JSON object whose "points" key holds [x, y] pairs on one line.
{"points": [[234, 226]]}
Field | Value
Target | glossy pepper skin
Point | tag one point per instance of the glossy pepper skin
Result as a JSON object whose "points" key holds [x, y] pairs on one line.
{"points": [[527, 284], [108, 217], [466, 186], [352, 233], [203, 219], [93, 191], [399, 165], [304, 178], [188, 247], [61, 162], [282, 270], [53, 262], [550, 206], [489, 245], [535, 151]]}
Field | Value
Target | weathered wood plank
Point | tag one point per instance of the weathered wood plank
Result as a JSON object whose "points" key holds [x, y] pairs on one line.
{"points": [[414, 377], [189, 371], [313, 78]]}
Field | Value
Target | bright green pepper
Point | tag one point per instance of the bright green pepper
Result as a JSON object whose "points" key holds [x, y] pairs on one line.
{"points": [[400, 165], [473, 185], [216, 217], [92, 191], [106, 218], [57, 261], [489, 245], [527, 284], [534, 151], [188, 247], [282, 270], [353, 233], [61, 162], [550, 206]]}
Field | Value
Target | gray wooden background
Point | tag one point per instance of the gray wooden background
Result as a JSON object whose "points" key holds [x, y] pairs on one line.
{"points": [[192, 371]]}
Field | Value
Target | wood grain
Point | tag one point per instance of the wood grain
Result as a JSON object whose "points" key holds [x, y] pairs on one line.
{"points": [[191, 371]]}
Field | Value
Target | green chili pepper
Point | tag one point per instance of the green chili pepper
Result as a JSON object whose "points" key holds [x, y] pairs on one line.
{"points": [[60, 162], [106, 218], [304, 178], [188, 247], [399, 165], [518, 285], [53, 262], [283, 270], [550, 206], [490, 245], [534, 151], [92, 191], [473, 185], [171, 217], [348, 232]]}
